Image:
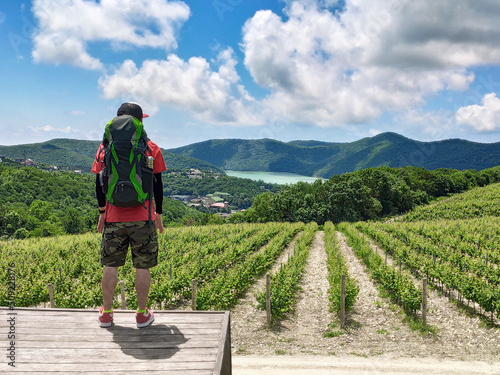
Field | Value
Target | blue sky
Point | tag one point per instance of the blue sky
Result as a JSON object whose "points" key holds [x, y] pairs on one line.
{"points": [[328, 70]]}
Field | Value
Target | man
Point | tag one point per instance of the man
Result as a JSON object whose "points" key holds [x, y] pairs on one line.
{"points": [[124, 226]]}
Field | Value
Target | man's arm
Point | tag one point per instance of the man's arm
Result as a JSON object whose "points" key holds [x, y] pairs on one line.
{"points": [[101, 198], [158, 195], [101, 202]]}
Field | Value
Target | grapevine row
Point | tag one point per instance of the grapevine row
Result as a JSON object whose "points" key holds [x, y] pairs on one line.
{"points": [[172, 278], [337, 268], [451, 269], [72, 263], [399, 286], [224, 290], [284, 284]]}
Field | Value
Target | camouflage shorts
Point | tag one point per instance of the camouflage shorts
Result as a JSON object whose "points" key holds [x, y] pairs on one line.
{"points": [[141, 237]]}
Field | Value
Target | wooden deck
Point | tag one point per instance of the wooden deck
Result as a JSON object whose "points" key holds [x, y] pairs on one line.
{"points": [[70, 341]]}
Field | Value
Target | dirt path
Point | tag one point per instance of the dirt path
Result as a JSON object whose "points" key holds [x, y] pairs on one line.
{"points": [[248, 324], [312, 315], [376, 326], [302, 332], [322, 365]]}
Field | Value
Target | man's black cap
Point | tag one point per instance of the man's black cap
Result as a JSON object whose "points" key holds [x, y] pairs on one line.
{"points": [[132, 109]]}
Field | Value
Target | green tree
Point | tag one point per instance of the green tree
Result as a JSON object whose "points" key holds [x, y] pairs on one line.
{"points": [[72, 222], [262, 207], [12, 221]]}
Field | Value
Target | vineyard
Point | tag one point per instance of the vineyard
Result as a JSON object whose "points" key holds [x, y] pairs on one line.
{"points": [[453, 243]]}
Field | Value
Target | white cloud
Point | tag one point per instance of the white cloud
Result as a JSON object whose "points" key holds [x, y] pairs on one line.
{"points": [[371, 57], [485, 117], [213, 95], [48, 128], [67, 26], [321, 64], [437, 124], [78, 113]]}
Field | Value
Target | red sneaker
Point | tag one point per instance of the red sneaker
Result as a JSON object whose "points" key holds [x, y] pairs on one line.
{"points": [[105, 318], [144, 319]]}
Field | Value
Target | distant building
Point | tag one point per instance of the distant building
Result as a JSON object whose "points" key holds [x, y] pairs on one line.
{"points": [[207, 201], [221, 205], [183, 198], [29, 163], [195, 173]]}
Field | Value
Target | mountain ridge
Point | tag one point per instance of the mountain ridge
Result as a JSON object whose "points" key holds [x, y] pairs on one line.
{"points": [[75, 154], [304, 157], [325, 159]]}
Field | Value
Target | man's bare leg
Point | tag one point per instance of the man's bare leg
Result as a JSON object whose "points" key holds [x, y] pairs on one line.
{"points": [[142, 283], [109, 281]]}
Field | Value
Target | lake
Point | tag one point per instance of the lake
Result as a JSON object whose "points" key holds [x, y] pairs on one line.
{"points": [[272, 177]]}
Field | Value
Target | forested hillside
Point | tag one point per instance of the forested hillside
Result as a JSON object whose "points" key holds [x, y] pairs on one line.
{"points": [[38, 203], [72, 154], [363, 195], [326, 159], [35, 203]]}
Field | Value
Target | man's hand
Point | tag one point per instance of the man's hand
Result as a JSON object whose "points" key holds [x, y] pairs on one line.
{"points": [[159, 223], [100, 223]]}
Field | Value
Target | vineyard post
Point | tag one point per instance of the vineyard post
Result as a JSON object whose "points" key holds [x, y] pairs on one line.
{"points": [[193, 295], [51, 296], [268, 300], [122, 292], [342, 303], [424, 301]]}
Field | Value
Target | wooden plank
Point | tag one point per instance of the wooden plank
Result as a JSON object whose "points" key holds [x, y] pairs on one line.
{"points": [[114, 355], [128, 367], [105, 368], [115, 333], [121, 321], [70, 341], [223, 362], [120, 372], [36, 315], [119, 317], [92, 338], [109, 344], [155, 329], [69, 312]]}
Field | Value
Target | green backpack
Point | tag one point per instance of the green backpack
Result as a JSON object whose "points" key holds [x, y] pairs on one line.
{"points": [[126, 178]]}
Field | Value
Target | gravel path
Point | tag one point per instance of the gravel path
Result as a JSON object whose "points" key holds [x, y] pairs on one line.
{"points": [[322, 365], [376, 327], [248, 324]]}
